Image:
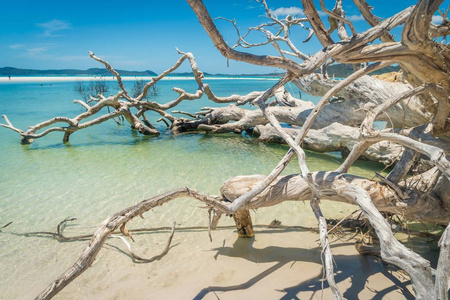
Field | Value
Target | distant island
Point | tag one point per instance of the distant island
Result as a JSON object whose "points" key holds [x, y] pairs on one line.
{"points": [[10, 71], [344, 70], [335, 70]]}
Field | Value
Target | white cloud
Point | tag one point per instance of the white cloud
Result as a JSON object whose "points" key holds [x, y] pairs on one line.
{"points": [[54, 26], [36, 50], [284, 11], [16, 46], [355, 18], [437, 20]]}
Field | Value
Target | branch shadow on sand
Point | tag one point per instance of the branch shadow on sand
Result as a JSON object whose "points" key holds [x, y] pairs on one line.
{"points": [[355, 268]]}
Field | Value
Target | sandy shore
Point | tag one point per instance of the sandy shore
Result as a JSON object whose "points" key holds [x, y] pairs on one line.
{"points": [[277, 264], [44, 79]]}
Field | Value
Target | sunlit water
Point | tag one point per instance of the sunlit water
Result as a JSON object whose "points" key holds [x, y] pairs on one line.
{"points": [[109, 167]]}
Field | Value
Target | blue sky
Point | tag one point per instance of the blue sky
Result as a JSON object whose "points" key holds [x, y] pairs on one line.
{"points": [[140, 35]]}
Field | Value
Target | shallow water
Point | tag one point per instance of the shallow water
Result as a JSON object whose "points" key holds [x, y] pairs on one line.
{"points": [[109, 167]]}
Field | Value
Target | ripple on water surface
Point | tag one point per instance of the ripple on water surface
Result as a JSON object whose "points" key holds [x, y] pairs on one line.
{"points": [[107, 168]]}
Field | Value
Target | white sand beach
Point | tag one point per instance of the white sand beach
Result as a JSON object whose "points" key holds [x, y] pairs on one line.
{"points": [[276, 264]]}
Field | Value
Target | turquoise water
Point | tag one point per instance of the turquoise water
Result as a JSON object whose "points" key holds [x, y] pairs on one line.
{"points": [[108, 167]]}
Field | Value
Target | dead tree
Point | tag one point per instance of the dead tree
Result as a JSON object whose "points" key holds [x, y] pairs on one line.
{"points": [[425, 63], [417, 113]]}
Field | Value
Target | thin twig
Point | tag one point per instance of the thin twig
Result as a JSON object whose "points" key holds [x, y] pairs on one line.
{"points": [[156, 257]]}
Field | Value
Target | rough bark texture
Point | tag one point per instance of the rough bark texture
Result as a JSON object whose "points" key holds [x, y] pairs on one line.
{"points": [[335, 137], [370, 92]]}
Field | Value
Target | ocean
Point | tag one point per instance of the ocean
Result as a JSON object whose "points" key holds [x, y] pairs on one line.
{"points": [[108, 167]]}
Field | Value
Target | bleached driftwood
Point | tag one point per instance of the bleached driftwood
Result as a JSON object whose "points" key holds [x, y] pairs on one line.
{"points": [[369, 92], [424, 62], [335, 137], [286, 188], [418, 114]]}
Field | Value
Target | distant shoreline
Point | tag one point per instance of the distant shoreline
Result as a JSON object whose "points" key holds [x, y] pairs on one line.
{"points": [[41, 79]]}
